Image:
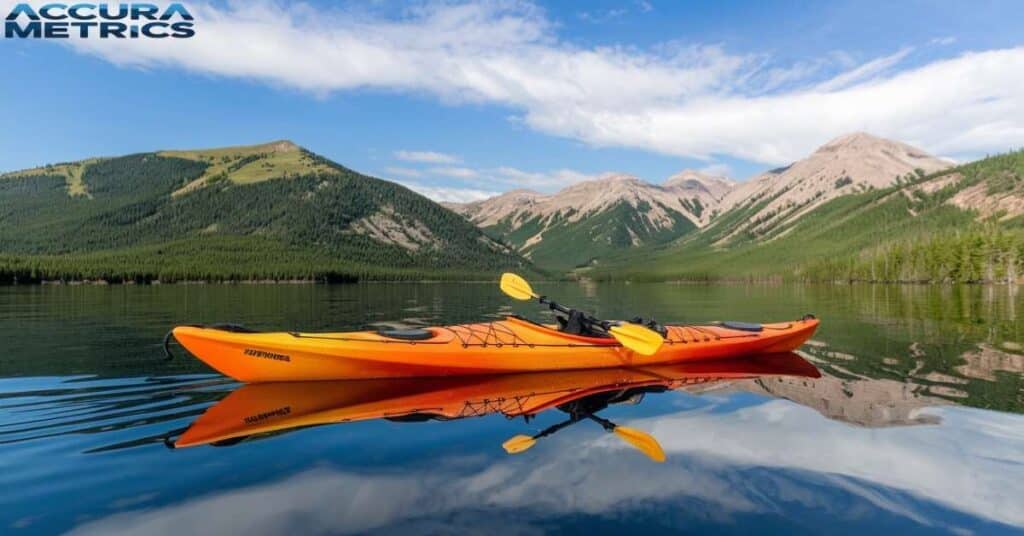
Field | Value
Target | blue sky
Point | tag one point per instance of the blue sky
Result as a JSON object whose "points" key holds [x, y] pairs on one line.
{"points": [[463, 100]]}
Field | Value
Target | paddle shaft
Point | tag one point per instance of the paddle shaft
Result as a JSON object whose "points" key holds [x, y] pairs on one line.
{"points": [[603, 324], [573, 419], [558, 426], [605, 423]]}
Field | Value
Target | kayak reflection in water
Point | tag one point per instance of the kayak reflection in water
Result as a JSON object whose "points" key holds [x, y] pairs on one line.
{"points": [[258, 410]]}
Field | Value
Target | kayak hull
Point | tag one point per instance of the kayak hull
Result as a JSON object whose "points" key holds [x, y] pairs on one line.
{"points": [[513, 345]]}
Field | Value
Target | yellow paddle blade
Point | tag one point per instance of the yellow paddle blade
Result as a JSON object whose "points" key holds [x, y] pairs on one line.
{"points": [[643, 441], [518, 444], [637, 338], [516, 287]]}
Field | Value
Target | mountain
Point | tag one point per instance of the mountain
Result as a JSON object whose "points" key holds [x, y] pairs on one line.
{"points": [[710, 190], [610, 219], [848, 164], [859, 208], [270, 211], [958, 224], [587, 221]]}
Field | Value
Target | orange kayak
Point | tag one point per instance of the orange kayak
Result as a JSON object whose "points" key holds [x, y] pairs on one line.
{"points": [[255, 410], [514, 345]]}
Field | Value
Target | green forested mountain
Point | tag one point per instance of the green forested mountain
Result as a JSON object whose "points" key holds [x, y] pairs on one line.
{"points": [[589, 221], [962, 224], [272, 211]]}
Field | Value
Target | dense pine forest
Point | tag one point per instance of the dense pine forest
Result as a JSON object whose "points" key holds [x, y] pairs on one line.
{"points": [[128, 219]]}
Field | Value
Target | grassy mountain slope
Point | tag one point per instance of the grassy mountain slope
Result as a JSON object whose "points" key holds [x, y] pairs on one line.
{"points": [[268, 211], [961, 224], [568, 244]]}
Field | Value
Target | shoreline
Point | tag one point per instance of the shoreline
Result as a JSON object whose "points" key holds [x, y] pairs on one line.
{"points": [[708, 282]]}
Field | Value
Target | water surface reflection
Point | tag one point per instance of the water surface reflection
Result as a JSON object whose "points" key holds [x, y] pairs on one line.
{"points": [[914, 425]]}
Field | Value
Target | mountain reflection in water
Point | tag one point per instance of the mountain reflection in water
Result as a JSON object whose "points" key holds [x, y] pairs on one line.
{"points": [[733, 456], [915, 425]]}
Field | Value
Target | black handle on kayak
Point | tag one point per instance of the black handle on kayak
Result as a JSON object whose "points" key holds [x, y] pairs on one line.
{"points": [[603, 324]]}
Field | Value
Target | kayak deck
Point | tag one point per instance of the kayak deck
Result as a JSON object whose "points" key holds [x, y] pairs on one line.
{"points": [[507, 346]]}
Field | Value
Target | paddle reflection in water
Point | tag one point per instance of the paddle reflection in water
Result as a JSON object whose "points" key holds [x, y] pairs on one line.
{"points": [[260, 410]]}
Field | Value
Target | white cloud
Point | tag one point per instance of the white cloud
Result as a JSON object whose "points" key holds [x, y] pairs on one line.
{"points": [[445, 194], [404, 172], [686, 100], [455, 172], [539, 180], [864, 72], [598, 17], [474, 184], [970, 464], [429, 157], [717, 170]]}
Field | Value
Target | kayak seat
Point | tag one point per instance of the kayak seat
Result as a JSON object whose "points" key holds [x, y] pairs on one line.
{"points": [[406, 334], [742, 326], [575, 324]]}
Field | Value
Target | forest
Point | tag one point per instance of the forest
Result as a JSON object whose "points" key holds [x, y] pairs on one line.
{"points": [[128, 227]]}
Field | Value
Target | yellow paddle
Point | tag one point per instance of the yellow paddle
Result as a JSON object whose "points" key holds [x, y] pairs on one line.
{"points": [[633, 336], [516, 287], [642, 441], [518, 444]]}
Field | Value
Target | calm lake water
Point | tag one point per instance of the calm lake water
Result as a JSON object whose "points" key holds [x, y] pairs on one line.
{"points": [[914, 425]]}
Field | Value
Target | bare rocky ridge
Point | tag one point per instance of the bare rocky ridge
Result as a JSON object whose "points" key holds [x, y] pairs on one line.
{"points": [[844, 395], [689, 194], [389, 227], [849, 164], [867, 402], [701, 183], [845, 165]]}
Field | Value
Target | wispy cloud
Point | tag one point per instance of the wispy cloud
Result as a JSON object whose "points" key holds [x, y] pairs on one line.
{"points": [[864, 72], [448, 194], [687, 100], [429, 157], [717, 170], [471, 184], [602, 15], [455, 172], [539, 180]]}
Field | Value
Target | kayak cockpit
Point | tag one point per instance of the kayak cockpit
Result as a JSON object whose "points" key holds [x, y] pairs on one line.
{"points": [[406, 334]]}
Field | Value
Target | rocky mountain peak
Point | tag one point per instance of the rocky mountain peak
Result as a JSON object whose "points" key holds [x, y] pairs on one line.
{"points": [[848, 164], [616, 180], [854, 140], [859, 144], [691, 179]]}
